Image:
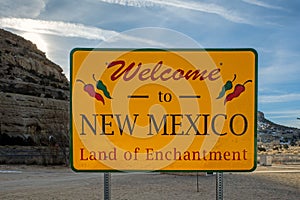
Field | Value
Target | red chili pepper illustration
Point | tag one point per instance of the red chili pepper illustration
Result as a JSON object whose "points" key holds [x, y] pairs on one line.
{"points": [[238, 89], [89, 88]]}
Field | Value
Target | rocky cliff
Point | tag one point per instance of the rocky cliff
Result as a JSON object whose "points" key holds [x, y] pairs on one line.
{"points": [[272, 133], [265, 124], [34, 95]]}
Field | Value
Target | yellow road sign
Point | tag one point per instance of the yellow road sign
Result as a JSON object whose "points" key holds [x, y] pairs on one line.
{"points": [[165, 110]]}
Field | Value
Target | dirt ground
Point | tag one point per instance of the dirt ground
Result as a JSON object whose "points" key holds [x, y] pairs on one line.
{"points": [[57, 182]]}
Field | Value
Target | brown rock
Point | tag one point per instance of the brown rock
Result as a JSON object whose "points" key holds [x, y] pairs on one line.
{"points": [[34, 95]]}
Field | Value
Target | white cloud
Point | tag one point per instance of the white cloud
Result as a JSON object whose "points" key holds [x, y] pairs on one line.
{"points": [[283, 67], [65, 29], [279, 98], [285, 117], [285, 112], [20, 8], [278, 74], [289, 113], [190, 5], [262, 4], [58, 28]]}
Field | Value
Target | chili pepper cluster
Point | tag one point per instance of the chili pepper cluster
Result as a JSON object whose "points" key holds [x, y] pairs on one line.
{"points": [[238, 90], [90, 89]]}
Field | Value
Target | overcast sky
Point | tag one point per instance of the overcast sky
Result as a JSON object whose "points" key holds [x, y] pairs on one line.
{"points": [[272, 27]]}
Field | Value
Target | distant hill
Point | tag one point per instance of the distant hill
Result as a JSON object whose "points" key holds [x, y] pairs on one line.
{"points": [[270, 131], [264, 123]]}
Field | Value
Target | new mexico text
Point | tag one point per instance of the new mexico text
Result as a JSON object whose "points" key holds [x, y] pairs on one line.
{"points": [[167, 124]]}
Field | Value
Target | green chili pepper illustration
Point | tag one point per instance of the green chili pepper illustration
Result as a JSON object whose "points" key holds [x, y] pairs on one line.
{"points": [[101, 86], [227, 86]]}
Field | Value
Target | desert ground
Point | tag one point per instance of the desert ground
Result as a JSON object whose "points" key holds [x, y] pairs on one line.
{"points": [[58, 182]]}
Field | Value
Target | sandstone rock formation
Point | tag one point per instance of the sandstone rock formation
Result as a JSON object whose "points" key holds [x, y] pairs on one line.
{"points": [[34, 95]]}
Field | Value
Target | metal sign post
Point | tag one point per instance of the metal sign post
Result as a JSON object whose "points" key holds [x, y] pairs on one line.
{"points": [[107, 184], [197, 182], [219, 186]]}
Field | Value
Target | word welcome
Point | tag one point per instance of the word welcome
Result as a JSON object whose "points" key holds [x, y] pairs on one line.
{"points": [[156, 73]]}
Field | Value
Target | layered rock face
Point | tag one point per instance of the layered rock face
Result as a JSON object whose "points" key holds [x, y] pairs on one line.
{"points": [[34, 95]]}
